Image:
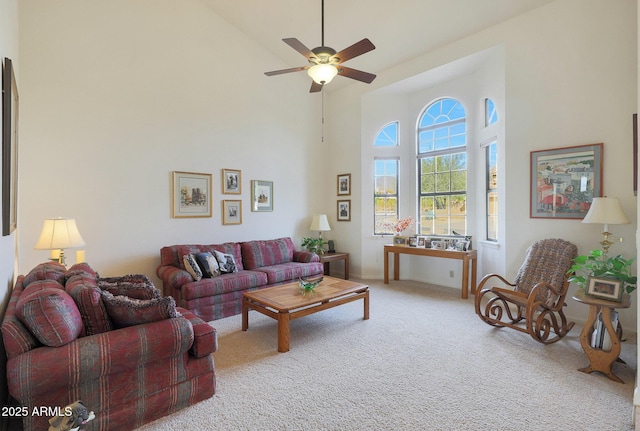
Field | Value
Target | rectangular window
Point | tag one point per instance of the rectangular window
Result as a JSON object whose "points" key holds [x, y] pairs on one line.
{"points": [[491, 154], [385, 174], [443, 198]]}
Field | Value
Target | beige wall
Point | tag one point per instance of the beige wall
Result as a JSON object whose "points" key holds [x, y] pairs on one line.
{"points": [[570, 78], [116, 95]]}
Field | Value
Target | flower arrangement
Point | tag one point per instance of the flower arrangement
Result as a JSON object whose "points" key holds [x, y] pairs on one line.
{"points": [[401, 225]]}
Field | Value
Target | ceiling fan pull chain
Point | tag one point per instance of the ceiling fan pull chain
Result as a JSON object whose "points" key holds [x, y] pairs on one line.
{"points": [[322, 138]]}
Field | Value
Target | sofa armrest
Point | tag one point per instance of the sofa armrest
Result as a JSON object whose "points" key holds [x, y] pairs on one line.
{"points": [[205, 336], [173, 277], [92, 357], [305, 257]]}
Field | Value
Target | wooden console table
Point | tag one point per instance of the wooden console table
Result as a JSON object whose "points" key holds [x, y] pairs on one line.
{"points": [[601, 360], [466, 257]]}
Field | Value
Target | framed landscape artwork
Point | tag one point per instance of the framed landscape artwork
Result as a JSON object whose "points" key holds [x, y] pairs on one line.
{"points": [[261, 195], [231, 212], [192, 195], [9, 149], [564, 181], [231, 182]]}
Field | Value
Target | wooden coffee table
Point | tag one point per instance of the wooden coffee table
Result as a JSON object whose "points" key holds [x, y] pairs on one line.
{"points": [[287, 302]]}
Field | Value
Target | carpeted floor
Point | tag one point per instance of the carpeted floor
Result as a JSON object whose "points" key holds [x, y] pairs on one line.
{"points": [[424, 361]]}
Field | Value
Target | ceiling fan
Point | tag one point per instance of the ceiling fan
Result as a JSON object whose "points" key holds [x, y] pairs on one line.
{"points": [[325, 63]]}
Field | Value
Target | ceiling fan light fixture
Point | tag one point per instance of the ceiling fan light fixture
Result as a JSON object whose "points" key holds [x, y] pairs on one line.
{"points": [[322, 73]]}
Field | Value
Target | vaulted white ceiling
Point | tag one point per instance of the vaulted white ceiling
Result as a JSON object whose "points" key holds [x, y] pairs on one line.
{"points": [[400, 29]]}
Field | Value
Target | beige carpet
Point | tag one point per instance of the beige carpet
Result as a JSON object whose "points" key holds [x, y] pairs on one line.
{"points": [[424, 361]]}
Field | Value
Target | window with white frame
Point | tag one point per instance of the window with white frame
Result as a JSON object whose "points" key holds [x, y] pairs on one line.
{"points": [[385, 173], [442, 168], [491, 156]]}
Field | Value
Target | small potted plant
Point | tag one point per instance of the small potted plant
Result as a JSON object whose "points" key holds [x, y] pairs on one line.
{"points": [[314, 245], [598, 264]]}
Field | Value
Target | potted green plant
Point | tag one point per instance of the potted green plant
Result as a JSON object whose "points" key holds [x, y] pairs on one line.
{"points": [[314, 245], [598, 264]]}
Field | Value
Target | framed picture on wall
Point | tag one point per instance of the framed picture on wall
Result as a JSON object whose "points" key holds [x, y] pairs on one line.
{"points": [[344, 210], [261, 195], [231, 182], [192, 195], [344, 185], [231, 212], [564, 181], [9, 149]]}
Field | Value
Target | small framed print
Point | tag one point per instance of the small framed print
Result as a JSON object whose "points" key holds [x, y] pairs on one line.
{"points": [[231, 182], [605, 288], [261, 195], [344, 210], [231, 212], [191, 195], [344, 185]]}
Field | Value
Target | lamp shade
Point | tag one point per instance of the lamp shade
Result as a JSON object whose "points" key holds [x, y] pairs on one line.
{"points": [[320, 223], [59, 233], [322, 73], [605, 211]]}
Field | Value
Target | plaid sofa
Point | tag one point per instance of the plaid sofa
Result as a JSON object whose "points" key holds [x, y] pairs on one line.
{"points": [[62, 346], [259, 264]]}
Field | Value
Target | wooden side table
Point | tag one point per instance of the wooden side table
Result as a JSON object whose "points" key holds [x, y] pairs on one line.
{"points": [[327, 258], [600, 360]]}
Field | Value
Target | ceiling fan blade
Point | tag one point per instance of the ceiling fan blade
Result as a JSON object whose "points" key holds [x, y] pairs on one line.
{"points": [[358, 75], [280, 72], [315, 87], [298, 46], [355, 50]]}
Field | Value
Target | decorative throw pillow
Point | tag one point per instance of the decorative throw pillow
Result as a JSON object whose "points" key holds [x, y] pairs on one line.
{"points": [[137, 286], [208, 264], [86, 294], [126, 311], [192, 267], [226, 262], [45, 271], [50, 314], [81, 269]]}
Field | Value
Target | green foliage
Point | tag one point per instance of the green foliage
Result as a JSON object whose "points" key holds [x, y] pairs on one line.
{"points": [[314, 245], [597, 264]]}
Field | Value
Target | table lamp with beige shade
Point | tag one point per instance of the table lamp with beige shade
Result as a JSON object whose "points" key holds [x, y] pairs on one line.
{"points": [[57, 235]]}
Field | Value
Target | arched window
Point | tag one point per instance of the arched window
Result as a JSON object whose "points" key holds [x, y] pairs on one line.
{"points": [[442, 168], [388, 136], [385, 177], [490, 113]]}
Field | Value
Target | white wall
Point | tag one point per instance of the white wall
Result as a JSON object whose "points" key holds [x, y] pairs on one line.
{"points": [[569, 79], [116, 95]]}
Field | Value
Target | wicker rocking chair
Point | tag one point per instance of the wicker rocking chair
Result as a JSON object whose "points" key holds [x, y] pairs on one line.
{"points": [[534, 303]]}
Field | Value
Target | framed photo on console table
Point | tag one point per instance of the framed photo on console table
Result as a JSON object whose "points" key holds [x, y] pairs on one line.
{"points": [[564, 181], [605, 288], [192, 195]]}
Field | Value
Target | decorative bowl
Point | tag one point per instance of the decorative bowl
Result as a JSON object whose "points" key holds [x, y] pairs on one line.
{"points": [[308, 284]]}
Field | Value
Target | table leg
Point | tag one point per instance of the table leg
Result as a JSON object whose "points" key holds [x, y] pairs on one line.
{"points": [[396, 266], [600, 360], [465, 277], [366, 304], [386, 267], [283, 332], [474, 274], [346, 268], [245, 315]]}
